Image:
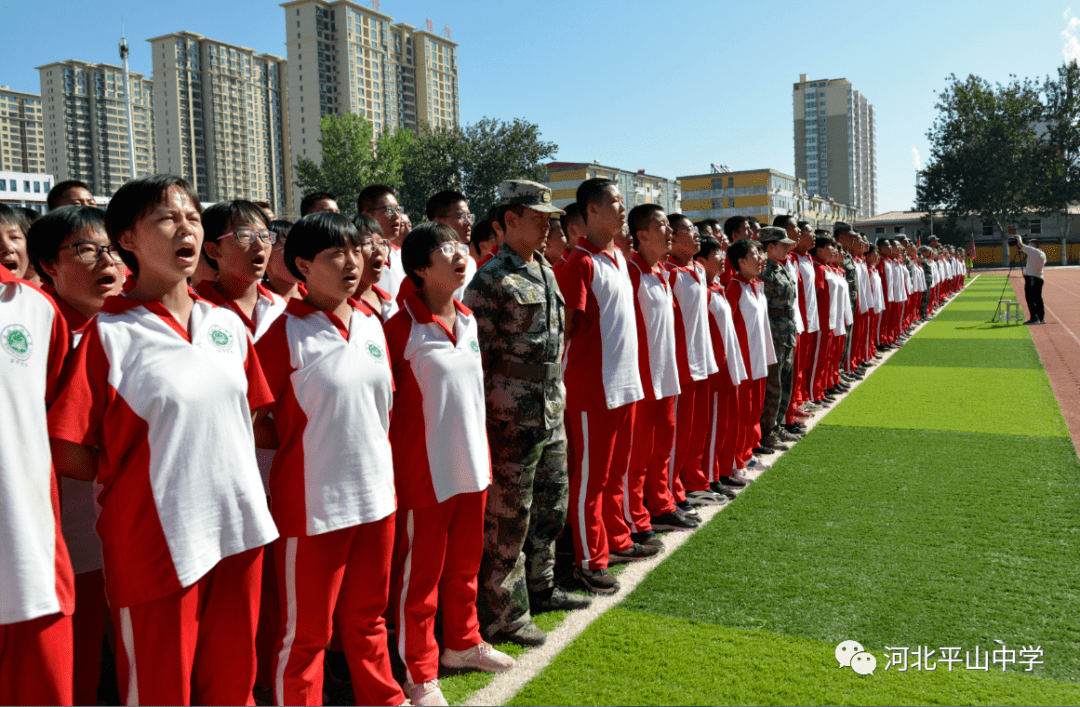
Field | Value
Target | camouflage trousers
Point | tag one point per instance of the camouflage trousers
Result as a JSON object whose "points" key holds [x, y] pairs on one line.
{"points": [[778, 389], [526, 512], [924, 303]]}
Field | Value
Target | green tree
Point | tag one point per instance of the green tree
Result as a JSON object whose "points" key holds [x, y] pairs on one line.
{"points": [[434, 161], [352, 158], [984, 152], [496, 150]]}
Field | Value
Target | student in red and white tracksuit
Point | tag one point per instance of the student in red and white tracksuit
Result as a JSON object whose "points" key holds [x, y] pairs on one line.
{"points": [[37, 593], [822, 254], [602, 383], [332, 480], [157, 404], [237, 244], [647, 499], [375, 249], [746, 297], [71, 253], [688, 474], [442, 465], [808, 312], [724, 426]]}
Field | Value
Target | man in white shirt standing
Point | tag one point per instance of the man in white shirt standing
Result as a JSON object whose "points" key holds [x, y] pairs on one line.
{"points": [[1033, 279]]}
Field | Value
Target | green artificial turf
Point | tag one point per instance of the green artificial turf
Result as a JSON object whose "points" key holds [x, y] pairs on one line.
{"points": [[644, 661], [937, 505]]}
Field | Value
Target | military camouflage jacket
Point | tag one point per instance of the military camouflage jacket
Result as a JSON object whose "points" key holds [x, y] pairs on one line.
{"points": [[852, 279], [780, 292], [928, 272], [520, 318]]}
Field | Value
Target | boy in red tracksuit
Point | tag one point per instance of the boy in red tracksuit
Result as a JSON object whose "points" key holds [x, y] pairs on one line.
{"points": [[746, 297], [688, 479], [649, 504], [602, 384]]}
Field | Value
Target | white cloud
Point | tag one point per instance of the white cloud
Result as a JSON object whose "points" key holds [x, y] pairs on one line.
{"points": [[1071, 50], [915, 157]]}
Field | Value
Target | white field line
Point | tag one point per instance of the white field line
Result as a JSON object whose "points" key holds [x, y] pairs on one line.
{"points": [[505, 685]]}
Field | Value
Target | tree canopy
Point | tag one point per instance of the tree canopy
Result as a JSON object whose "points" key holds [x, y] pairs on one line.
{"points": [[1000, 152], [472, 160]]}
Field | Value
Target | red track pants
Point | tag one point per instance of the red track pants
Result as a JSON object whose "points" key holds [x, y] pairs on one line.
{"points": [[88, 626], [197, 644], [36, 659], [692, 418], [599, 446], [439, 548], [645, 485], [723, 426], [350, 569]]}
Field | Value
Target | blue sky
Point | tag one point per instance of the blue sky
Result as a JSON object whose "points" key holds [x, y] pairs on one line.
{"points": [[668, 86]]}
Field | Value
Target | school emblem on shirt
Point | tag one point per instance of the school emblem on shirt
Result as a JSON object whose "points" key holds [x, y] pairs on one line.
{"points": [[16, 341], [474, 345], [220, 338], [374, 350]]}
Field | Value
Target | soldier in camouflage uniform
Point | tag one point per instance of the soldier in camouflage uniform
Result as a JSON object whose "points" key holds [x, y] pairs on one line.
{"points": [[780, 293], [519, 314], [928, 276]]}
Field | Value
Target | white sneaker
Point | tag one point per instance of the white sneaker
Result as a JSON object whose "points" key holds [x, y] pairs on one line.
{"points": [[483, 656], [428, 693]]}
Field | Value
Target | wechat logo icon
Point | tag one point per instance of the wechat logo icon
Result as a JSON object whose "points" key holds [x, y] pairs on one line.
{"points": [[850, 654], [16, 341]]}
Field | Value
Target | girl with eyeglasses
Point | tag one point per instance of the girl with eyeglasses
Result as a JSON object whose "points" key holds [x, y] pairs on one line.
{"points": [[278, 278], [375, 250], [237, 243], [79, 269], [157, 405], [442, 466]]}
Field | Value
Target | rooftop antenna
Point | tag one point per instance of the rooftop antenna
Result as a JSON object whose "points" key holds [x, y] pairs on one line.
{"points": [[127, 96]]}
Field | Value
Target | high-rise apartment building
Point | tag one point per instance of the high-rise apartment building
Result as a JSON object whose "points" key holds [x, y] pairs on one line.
{"points": [[348, 58], [86, 127], [222, 119], [836, 143], [22, 141]]}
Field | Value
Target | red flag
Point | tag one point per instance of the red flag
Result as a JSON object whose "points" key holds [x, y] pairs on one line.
{"points": [[919, 244], [972, 249]]}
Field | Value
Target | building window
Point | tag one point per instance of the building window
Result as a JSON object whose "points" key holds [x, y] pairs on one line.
{"points": [[1036, 226], [880, 230], [988, 229], [897, 229]]}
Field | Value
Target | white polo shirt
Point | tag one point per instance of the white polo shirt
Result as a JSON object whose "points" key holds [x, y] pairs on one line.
{"points": [[655, 310], [724, 323], [696, 358], [1036, 260], [36, 579], [170, 413], [809, 293], [600, 366], [439, 429], [334, 391], [750, 313]]}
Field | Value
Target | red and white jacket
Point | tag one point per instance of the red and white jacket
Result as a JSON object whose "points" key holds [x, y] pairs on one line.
{"points": [[268, 307], [36, 579], [170, 413], [695, 352], [654, 306], [334, 390], [750, 314], [725, 338], [439, 429], [600, 365]]}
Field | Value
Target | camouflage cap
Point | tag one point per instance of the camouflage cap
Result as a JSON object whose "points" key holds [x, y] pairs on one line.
{"points": [[521, 192], [774, 234]]}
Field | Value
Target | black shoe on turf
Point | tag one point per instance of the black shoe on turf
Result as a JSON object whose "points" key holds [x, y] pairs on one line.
{"points": [[597, 581], [557, 599], [732, 482], [647, 537], [634, 553], [673, 521], [688, 509], [717, 487], [764, 450]]}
